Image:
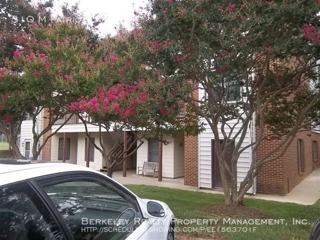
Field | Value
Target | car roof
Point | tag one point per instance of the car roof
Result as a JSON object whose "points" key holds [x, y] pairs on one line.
{"points": [[10, 173]]}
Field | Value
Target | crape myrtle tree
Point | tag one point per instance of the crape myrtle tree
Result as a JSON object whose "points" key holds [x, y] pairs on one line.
{"points": [[11, 113], [15, 17], [55, 64], [252, 63], [134, 99]]}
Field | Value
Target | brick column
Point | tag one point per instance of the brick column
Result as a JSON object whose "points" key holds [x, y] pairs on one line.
{"points": [[191, 160]]}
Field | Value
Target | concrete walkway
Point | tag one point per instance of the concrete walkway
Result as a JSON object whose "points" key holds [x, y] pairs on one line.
{"points": [[305, 193]]}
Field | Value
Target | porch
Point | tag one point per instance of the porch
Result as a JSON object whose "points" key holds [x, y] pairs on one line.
{"points": [[74, 147], [135, 179]]}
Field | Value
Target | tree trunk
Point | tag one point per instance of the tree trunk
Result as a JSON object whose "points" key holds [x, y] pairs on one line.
{"points": [[64, 147], [35, 152], [125, 146], [11, 132], [109, 172], [160, 162], [14, 148], [87, 152]]}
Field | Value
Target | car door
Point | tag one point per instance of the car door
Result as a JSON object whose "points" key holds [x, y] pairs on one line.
{"points": [[92, 206], [24, 216]]}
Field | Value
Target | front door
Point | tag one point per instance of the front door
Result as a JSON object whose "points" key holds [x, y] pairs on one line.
{"points": [[216, 177]]}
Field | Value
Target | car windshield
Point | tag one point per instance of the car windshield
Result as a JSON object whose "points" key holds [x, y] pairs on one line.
{"points": [[92, 209]]}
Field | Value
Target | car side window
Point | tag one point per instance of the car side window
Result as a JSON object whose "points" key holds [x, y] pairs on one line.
{"points": [[23, 216], [94, 210]]}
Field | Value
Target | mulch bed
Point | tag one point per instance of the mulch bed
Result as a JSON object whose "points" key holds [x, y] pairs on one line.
{"points": [[238, 212]]}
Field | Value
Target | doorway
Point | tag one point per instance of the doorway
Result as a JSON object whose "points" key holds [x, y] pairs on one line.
{"points": [[215, 171]]}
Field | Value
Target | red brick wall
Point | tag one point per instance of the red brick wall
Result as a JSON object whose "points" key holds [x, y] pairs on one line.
{"points": [[291, 158], [191, 160], [191, 154], [282, 175], [271, 177]]}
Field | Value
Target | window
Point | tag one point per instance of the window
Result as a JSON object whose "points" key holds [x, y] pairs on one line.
{"points": [[23, 216], [153, 150], [64, 149], [315, 151], [230, 92], [89, 155], [27, 149], [94, 210], [300, 156], [28, 117]]}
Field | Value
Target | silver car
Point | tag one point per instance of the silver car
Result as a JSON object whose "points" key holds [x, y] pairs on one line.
{"points": [[65, 201]]}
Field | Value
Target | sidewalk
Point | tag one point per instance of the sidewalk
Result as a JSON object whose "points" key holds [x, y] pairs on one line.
{"points": [[305, 193]]}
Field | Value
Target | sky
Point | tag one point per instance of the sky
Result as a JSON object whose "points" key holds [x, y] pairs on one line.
{"points": [[113, 11]]}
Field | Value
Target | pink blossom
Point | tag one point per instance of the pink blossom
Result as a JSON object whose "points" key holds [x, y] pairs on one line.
{"points": [[136, 101], [7, 118], [16, 54], [46, 66], [82, 105], [116, 108], [93, 104], [4, 97], [74, 106], [59, 63], [128, 112], [42, 56], [163, 111], [46, 43], [105, 105], [155, 47], [181, 58], [1, 106], [137, 33], [30, 57], [21, 38], [112, 96], [34, 25], [122, 94], [3, 72], [114, 58], [101, 93], [143, 97], [311, 33], [67, 77], [170, 1], [231, 7]]}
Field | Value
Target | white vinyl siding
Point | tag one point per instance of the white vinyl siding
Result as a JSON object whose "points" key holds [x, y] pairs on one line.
{"points": [[205, 172], [172, 157], [26, 136]]}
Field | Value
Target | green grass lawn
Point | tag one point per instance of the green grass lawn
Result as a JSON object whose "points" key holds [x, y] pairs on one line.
{"points": [[194, 205], [4, 146]]}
